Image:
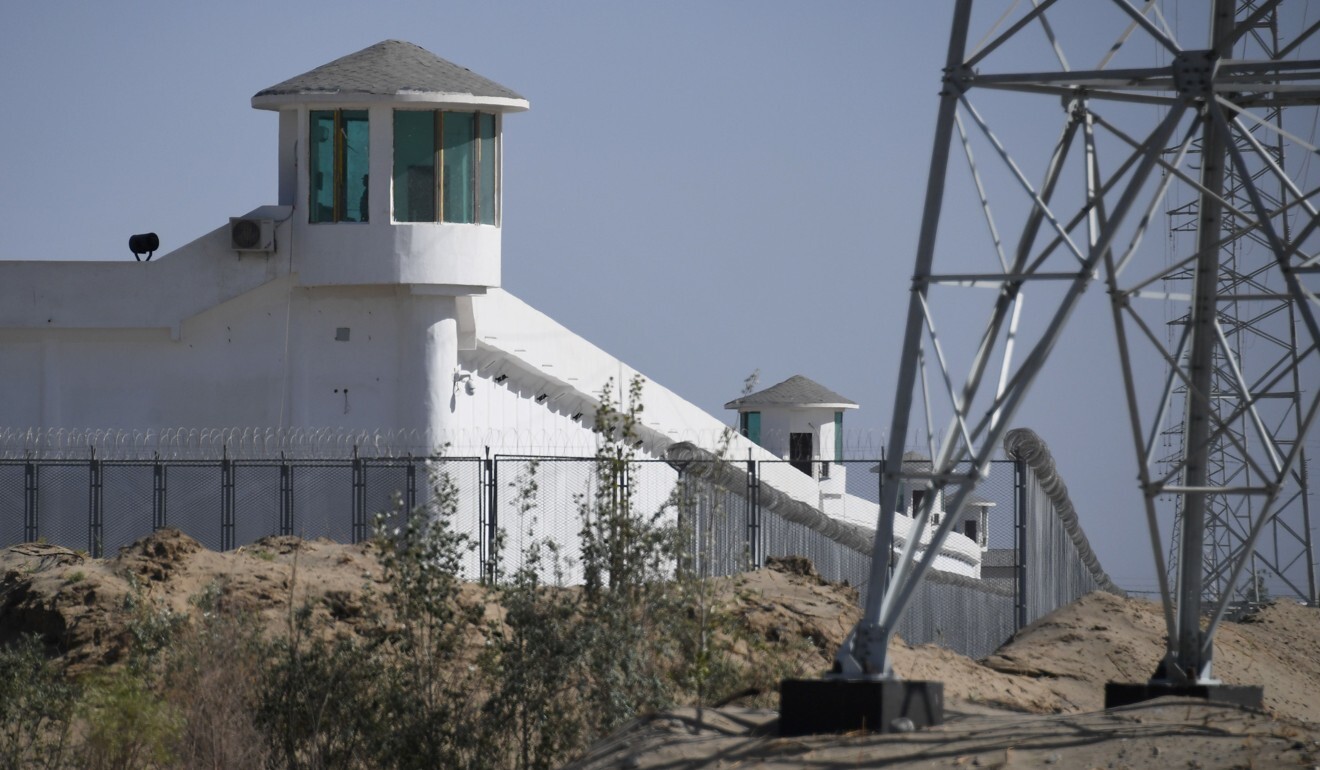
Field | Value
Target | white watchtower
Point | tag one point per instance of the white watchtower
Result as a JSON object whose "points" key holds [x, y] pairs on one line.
{"points": [[391, 161], [800, 421]]}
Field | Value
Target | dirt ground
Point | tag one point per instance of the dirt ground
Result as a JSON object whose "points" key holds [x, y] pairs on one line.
{"points": [[1168, 733], [1037, 702]]}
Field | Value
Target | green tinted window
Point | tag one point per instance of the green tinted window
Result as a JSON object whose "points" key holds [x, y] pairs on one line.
{"points": [[460, 156], [354, 131], [338, 162], [321, 159], [488, 163], [751, 425], [446, 167], [838, 437], [414, 166]]}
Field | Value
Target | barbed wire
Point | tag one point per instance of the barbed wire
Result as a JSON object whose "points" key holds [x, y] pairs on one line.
{"points": [[190, 443]]}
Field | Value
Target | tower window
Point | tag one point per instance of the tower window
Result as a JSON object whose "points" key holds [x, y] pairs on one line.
{"points": [[749, 424], [800, 450], [462, 146], [838, 437], [337, 157]]}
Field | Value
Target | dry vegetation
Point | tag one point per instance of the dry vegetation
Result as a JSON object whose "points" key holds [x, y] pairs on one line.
{"points": [[296, 654], [292, 654], [205, 659]]}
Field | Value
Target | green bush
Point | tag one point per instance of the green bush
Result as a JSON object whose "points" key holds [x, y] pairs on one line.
{"points": [[36, 708], [211, 678], [430, 690], [319, 705], [628, 557], [536, 663], [127, 725]]}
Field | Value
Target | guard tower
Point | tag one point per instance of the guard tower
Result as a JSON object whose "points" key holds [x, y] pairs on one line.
{"points": [[390, 161], [391, 157], [800, 421]]}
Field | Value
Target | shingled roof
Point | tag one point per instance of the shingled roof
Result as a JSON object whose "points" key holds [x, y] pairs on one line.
{"points": [[391, 69], [795, 391]]}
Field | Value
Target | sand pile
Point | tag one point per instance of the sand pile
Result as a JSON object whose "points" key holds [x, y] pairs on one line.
{"points": [[80, 607], [1033, 703]]}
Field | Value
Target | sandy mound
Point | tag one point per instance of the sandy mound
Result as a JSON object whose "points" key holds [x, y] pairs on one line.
{"points": [[1170, 733], [1102, 638], [82, 609], [1055, 668]]}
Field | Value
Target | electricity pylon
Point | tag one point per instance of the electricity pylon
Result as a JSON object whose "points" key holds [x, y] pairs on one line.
{"points": [[1263, 329], [1137, 95]]}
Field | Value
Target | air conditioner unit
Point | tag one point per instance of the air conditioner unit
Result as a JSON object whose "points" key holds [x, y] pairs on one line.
{"points": [[251, 234]]}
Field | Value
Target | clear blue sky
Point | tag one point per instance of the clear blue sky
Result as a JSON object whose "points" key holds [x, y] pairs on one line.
{"points": [[704, 189]]}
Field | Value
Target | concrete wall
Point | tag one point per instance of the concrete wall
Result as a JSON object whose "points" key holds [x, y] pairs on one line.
{"points": [[271, 357]]}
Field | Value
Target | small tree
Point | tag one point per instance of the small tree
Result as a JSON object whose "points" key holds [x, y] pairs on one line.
{"points": [[537, 661], [627, 560], [430, 687], [319, 702], [36, 708], [703, 666]]}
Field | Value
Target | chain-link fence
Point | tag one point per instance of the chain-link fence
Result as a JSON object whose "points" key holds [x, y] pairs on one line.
{"points": [[1050, 539], [1017, 552]]}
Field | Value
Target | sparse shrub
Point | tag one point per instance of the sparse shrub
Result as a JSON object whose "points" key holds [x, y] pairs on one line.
{"points": [[318, 705], [317, 700], [211, 680], [569, 665], [430, 690], [127, 725], [628, 558], [152, 628], [536, 662], [405, 693], [705, 631], [36, 707]]}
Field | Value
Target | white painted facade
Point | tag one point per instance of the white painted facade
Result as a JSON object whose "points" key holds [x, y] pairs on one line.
{"points": [[376, 326]]}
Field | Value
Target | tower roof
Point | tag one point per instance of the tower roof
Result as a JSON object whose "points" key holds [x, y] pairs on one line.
{"points": [[391, 70], [795, 391]]}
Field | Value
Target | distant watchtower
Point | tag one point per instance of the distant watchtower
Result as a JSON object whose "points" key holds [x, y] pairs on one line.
{"points": [[800, 421]]}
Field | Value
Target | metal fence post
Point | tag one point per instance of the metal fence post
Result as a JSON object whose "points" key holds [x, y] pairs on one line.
{"points": [[95, 526], [410, 486], [359, 515], [753, 512], [226, 502], [1020, 543], [158, 513], [30, 501], [880, 495], [286, 497], [490, 526]]}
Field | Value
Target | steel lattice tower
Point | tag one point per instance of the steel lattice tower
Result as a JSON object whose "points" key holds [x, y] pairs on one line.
{"points": [[1146, 112], [1263, 329]]}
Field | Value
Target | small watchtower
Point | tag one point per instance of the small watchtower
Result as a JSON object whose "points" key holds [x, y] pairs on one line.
{"points": [[800, 421]]}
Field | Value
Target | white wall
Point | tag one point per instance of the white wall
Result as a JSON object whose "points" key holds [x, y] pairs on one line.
{"points": [[137, 346]]}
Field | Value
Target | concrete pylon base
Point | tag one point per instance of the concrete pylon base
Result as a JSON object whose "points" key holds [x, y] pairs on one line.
{"points": [[818, 706], [1127, 693]]}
